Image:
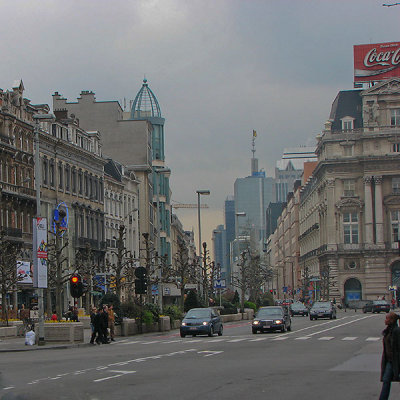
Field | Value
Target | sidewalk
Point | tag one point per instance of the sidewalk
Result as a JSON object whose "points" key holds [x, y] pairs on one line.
{"points": [[17, 344]]}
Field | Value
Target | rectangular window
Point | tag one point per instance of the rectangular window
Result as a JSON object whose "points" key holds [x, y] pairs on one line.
{"points": [[51, 173], [396, 147], [396, 185], [350, 228], [395, 117], [60, 176], [395, 217], [349, 186], [347, 125]]}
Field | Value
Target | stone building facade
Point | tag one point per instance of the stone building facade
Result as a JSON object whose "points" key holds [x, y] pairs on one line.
{"points": [[350, 208]]}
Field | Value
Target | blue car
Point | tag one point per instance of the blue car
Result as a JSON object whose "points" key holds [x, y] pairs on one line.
{"points": [[201, 321]]}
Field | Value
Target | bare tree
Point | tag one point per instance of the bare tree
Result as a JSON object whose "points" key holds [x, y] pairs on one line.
{"points": [[8, 271]]}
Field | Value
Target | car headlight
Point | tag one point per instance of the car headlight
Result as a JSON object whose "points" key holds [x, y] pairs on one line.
{"points": [[183, 324], [278, 321], [205, 323], [256, 322]]}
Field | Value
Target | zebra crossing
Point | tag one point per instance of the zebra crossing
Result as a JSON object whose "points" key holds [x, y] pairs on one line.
{"points": [[239, 339]]}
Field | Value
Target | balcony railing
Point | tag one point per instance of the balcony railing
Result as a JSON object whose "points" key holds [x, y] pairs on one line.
{"points": [[11, 232], [93, 243], [8, 187]]}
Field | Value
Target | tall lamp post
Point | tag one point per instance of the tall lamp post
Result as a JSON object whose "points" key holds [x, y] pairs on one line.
{"points": [[199, 193], [38, 181]]}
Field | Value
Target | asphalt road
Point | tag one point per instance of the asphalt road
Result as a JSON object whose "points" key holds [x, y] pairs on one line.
{"points": [[324, 359]]}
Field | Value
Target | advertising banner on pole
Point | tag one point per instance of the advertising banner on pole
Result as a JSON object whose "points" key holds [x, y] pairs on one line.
{"points": [[40, 253], [24, 272]]}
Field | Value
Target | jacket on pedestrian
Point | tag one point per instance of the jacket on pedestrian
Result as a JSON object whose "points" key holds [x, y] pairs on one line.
{"points": [[394, 342]]}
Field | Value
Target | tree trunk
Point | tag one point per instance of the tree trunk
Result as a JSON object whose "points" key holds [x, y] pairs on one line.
{"points": [[49, 305]]}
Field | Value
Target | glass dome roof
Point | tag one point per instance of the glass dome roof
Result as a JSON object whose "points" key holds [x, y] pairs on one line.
{"points": [[145, 104]]}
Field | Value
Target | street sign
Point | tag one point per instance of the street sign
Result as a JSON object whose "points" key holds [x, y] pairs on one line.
{"points": [[392, 287], [191, 286], [284, 289], [219, 283]]}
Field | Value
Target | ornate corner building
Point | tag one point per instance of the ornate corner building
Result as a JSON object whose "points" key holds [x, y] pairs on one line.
{"points": [[350, 208]]}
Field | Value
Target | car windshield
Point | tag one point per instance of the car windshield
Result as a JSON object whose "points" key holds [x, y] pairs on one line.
{"points": [[195, 313], [322, 305], [297, 306], [380, 302], [269, 312]]}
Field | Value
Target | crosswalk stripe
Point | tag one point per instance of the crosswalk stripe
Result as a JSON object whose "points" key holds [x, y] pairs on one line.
{"points": [[372, 339], [303, 338], [350, 338], [236, 340], [326, 338], [281, 338], [258, 339]]}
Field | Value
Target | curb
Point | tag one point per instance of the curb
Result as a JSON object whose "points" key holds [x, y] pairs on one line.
{"points": [[37, 348]]}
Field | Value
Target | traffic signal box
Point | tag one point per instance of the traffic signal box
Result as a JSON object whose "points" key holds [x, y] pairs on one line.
{"points": [[76, 286], [141, 281]]}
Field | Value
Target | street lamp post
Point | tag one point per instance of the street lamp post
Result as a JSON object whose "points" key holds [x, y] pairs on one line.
{"points": [[38, 181], [199, 193]]}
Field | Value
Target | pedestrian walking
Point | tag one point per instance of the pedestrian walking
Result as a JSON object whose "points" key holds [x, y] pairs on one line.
{"points": [[92, 324], [104, 324], [390, 364], [98, 329], [111, 322]]}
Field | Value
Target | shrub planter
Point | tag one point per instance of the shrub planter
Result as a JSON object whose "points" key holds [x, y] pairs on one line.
{"points": [[60, 332], [164, 324]]}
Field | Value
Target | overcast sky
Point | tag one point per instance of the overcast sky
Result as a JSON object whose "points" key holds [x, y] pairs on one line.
{"points": [[219, 68]]}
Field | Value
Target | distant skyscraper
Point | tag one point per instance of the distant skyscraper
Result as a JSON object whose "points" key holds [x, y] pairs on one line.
{"points": [[220, 252], [290, 168]]}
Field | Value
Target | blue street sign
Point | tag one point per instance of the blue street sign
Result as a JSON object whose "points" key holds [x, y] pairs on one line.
{"points": [[284, 289], [219, 283]]}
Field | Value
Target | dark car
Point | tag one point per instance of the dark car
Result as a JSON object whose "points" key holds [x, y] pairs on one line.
{"points": [[201, 321], [376, 306], [298, 308], [322, 309], [271, 319]]}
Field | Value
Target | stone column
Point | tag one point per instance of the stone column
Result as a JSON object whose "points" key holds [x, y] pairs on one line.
{"points": [[368, 210], [331, 239], [378, 209]]}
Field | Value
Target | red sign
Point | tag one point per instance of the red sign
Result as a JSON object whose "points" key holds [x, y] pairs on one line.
{"points": [[375, 62]]}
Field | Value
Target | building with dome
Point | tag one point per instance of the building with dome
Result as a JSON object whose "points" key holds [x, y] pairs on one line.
{"points": [[136, 140]]}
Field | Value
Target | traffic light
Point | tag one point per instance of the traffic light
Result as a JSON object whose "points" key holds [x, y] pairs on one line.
{"points": [[76, 286], [141, 281]]}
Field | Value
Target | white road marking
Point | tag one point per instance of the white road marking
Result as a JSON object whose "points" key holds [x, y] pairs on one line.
{"points": [[258, 339], [119, 373], [154, 341], [131, 342], [326, 338], [236, 340], [209, 353], [302, 338], [281, 338], [9, 387], [350, 338], [372, 339]]}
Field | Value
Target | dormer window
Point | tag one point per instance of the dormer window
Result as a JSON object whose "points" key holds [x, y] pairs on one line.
{"points": [[347, 123]]}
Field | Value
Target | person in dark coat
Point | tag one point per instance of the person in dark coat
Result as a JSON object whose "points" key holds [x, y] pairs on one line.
{"points": [[93, 324], [104, 325], [390, 365], [98, 329]]}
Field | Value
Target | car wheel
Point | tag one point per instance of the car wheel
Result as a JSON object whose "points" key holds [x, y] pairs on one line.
{"points": [[283, 330], [254, 331], [331, 316], [182, 334], [311, 318], [211, 333], [364, 311], [289, 328], [221, 330]]}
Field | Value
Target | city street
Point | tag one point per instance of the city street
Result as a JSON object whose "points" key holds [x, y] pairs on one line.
{"points": [[324, 359]]}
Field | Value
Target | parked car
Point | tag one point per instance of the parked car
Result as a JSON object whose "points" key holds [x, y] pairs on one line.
{"points": [[298, 308], [201, 321], [271, 318], [322, 309], [376, 306]]}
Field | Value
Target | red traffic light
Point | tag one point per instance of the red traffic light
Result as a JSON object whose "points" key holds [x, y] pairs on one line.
{"points": [[74, 279]]}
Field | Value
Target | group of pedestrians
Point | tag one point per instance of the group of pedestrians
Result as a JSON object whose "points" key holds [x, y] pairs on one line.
{"points": [[102, 323]]}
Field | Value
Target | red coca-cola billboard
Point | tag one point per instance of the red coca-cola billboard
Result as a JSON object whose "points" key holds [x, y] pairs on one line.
{"points": [[375, 62]]}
